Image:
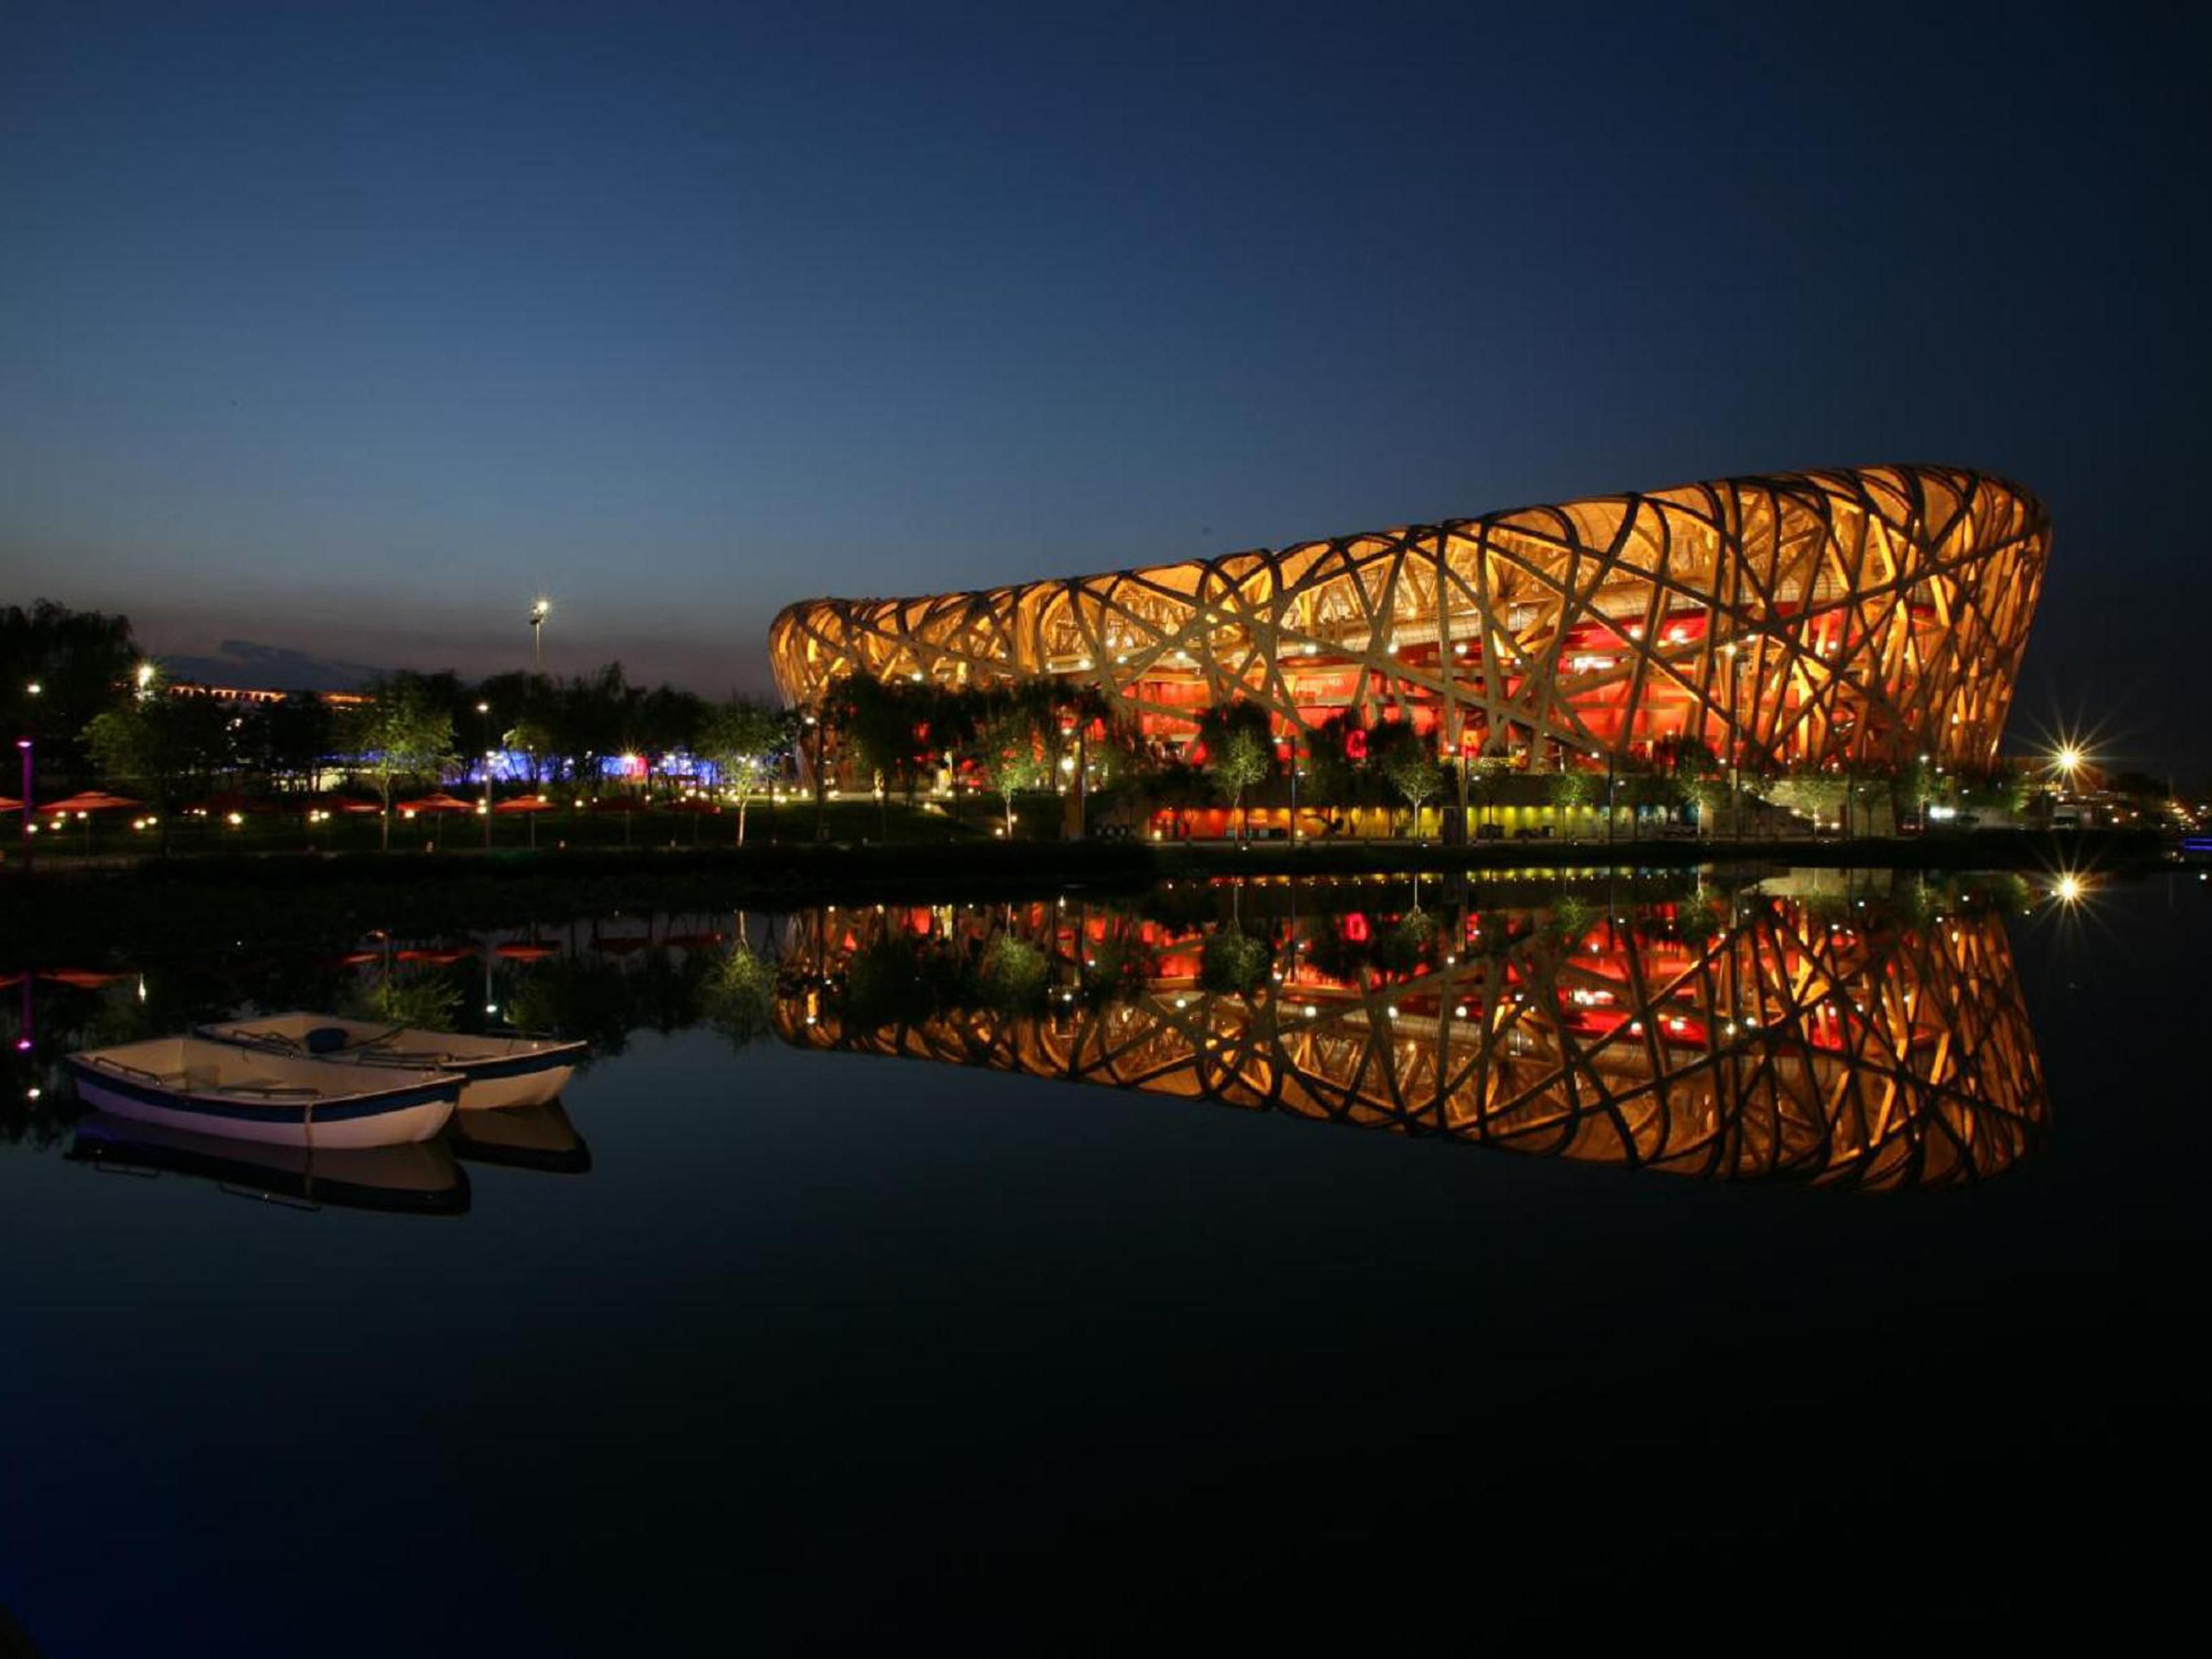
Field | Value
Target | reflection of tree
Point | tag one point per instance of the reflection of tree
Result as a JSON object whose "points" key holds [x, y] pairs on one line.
{"points": [[1232, 962], [1116, 968], [1012, 977], [739, 999], [1408, 945], [584, 997], [428, 1002]]}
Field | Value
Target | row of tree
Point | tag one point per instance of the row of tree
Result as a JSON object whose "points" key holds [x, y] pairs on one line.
{"points": [[98, 708], [1037, 733]]}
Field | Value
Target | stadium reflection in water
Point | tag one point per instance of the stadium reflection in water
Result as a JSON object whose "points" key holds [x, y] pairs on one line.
{"points": [[1826, 1038]]}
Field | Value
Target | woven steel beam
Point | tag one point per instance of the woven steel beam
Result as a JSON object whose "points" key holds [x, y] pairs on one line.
{"points": [[1852, 616]]}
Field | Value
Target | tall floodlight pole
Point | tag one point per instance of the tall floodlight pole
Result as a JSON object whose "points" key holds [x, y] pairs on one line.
{"points": [[539, 610]]}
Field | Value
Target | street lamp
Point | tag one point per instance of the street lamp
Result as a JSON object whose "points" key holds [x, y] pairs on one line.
{"points": [[539, 612], [24, 743], [484, 708]]}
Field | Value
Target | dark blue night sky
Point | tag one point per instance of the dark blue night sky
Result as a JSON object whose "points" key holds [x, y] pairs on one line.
{"points": [[351, 330]]}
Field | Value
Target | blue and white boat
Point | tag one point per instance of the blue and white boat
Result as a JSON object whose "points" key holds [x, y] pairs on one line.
{"points": [[252, 1094], [498, 1070]]}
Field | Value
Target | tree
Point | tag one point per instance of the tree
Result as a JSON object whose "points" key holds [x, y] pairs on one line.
{"points": [[289, 740], [2004, 787], [81, 662], [746, 741], [1334, 757], [586, 716], [1408, 762], [160, 743], [404, 730], [661, 722], [1009, 753], [1239, 748], [876, 722], [1814, 795], [1571, 789], [533, 739], [1078, 707]]}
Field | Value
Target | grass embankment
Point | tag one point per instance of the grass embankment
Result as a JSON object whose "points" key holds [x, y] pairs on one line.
{"points": [[178, 906]]}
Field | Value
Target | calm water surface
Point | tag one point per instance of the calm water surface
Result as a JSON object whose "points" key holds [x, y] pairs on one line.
{"points": [[826, 1308]]}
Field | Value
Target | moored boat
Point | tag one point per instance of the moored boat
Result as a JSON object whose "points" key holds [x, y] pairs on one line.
{"points": [[498, 1070], [252, 1094]]}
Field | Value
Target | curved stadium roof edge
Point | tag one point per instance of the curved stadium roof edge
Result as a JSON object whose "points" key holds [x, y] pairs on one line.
{"points": [[1847, 613]]}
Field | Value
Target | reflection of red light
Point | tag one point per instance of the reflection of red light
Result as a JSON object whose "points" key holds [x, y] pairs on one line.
{"points": [[1355, 744], [1355, 928], [22, 1045]]}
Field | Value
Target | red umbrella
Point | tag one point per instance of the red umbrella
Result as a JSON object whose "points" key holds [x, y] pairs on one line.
{"points": [[336, 804], [526, 952], [10, 805], [441, 802], [84, 805], [528, 804], [443, 956]]}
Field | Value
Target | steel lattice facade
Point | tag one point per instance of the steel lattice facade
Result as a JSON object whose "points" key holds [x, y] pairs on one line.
{"points": [[1857, 616]]}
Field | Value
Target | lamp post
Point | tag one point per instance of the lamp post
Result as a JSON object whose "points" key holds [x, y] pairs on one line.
{"points": [[821, 787], [484, 708], [24, 744], [539, 612]]}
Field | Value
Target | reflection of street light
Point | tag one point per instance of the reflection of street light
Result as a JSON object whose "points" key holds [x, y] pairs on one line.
{"points": [[539, 610], [2070, 890]]}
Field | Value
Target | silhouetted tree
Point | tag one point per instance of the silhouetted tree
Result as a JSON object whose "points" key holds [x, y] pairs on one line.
{"points": [[1239, 749], [404, 731]]}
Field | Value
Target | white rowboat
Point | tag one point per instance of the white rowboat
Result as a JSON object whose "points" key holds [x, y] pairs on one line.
{"points": [[248, 1094], [498, 1070]]}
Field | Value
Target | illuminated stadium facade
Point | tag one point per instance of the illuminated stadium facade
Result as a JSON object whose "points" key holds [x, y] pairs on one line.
{"points": [[1804, 619]]}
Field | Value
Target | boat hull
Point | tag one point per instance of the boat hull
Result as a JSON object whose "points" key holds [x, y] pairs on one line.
{"points": [[537, 1086], [407, 1116]]}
